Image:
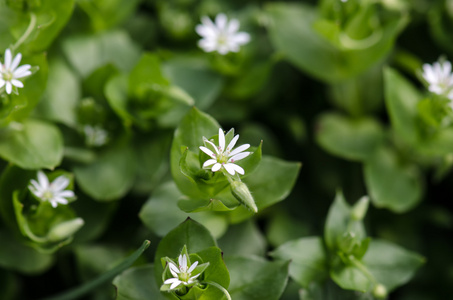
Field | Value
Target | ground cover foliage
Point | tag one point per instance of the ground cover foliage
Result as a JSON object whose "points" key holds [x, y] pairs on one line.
{"points": [[210, 149]]}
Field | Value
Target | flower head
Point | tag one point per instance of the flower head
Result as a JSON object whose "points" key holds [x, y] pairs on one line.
{"points": [[182, 274], [221, 36], [10, 72], [95, 136], [224, 157], [53, 192], [439, 77]]}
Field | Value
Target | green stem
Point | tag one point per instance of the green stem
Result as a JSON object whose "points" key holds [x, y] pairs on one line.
{"points": [[221, 288], [358, 264], [84, 289], [27, 32]]}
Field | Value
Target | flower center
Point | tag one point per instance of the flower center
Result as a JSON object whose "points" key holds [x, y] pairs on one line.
{"points": [[184, 276], [47, 195], [222, 39], [7, 75]]}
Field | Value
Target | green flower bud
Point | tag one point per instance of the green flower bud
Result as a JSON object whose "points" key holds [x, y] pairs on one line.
{"points": [[380, 291], [65, 229], [241, 192], [359, 210]]}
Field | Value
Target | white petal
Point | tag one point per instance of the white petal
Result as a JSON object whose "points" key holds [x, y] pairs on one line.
{"points": [[221, 140], [233, 26], [229, 168], [207, 151], [173, 269], [17, 83], [66, 194], [216, 167], [238, 169], [60, 200], [2, 83], [209, 162], [22, 71], [43, 180], [171, 280], [9, 87], [183, 265], [16, 61], [8, 58], [232, 143], [239, 149], [207, 45], [205, 31], [53, 203], [221, 21], [241, 38], [60, 183], [192, 267], [193, 277], [239, 156], [216, 149]]}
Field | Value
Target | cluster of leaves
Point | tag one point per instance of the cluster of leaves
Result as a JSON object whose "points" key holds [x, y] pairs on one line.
{"points": [[122, 99]]}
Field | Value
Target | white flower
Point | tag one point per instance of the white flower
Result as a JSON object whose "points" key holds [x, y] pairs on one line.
{"points": [[182, 273], [439, 78], [10, 72], [53, 192], [221, 36], [95, 136], [225, 157]]}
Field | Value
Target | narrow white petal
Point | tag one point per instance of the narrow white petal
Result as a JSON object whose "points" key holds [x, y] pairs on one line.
{"points": [[43, 180], [60, 183], [175, 284], [53, 203], [216, 149], [16, 61], [193, 277], [209, 162], [232, 143], [238, 169], [216, 167], [183, 266], [8, 58], [192, 267], [9, 87], [233, 26], [207, 151], [221, 21], [173, 269], [60, 200], [171, 280], [207, 45], [2, 82], [241, 38], [22, 71], [221, 140], [239, 149], [66, 194], [229, 167], [239, 156], [17, 83]]}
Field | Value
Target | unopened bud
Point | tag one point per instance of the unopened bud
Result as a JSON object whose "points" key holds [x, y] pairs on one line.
{"points": [[65, 229], [241, 192], [380, 291], [359, 210]]}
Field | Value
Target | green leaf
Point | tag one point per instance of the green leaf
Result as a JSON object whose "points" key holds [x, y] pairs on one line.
{"points": [[87, 53], [354, 139], [146, 74], [137, 283], [308, 259], [349, 277], [243, 239], [392, 183], [189, 134], [62, 94], [87, 287], [339, 224], [111, 176], [160, 213], [190, 234], [292, 32], [390, 264], [253, 278], [401, 99], [34, 145]]}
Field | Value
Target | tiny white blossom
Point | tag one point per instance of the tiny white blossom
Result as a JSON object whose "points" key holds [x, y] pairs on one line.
{"points": [[182, 273], [225, 157], [54, 192], [439, 77], [95, 136], [10, 72], [221, 36]]}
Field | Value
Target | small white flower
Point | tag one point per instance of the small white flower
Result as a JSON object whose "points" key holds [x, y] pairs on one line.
{"points": [[225, 157], [53, 192], [10, 72], [221, 36], [182, 273], [439, 77], [95, 136]]}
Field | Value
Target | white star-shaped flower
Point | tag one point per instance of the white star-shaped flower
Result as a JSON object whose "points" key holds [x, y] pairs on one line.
{"points": [[225, 157], [182, 273], [221, 36], [53, 192], [10, 72], [95, 136], [439, 77]]}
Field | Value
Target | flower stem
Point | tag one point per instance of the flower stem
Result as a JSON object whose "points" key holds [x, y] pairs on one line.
{"points": [[221, 288], [27, 32], [358, 264]]}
